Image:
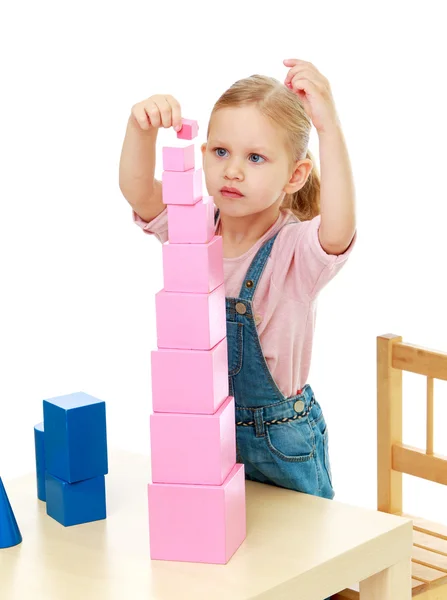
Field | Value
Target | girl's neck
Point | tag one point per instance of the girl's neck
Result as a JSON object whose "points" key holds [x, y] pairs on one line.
{"points": [[243, 231]]}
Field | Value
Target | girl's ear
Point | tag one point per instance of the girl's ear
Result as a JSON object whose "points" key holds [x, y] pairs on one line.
{"points": [[299, 176], [203, 148]]}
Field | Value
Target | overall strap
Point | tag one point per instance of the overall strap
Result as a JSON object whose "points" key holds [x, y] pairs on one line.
{"points": [[257, 266], [256, 269]]}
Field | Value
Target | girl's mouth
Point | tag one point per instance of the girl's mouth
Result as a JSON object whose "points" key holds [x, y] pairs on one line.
{"points": [[230, 192]]}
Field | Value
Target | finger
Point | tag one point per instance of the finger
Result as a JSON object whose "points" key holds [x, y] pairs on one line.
{"points": [[311, 68], [304, 84], [302, 65], [291, 73], [291, 62], [153, 114], [309, 75], [141, 116], [298, 83], [165, 112], [176, 113]]}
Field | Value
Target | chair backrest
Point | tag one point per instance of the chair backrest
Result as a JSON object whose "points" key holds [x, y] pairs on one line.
{"points": [[393, 457]]}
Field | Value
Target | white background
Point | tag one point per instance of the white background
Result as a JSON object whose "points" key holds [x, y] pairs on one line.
{"points": [[78, 277]]}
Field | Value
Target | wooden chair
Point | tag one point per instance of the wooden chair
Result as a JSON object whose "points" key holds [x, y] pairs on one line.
{"points": [[429, 557]]}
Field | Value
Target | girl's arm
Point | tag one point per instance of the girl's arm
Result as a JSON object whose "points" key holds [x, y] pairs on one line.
{"points": [[337, 193], [136, 171], [337, 226]]}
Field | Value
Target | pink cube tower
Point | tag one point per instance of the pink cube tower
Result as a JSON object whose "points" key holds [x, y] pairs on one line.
{"points": [[197, 494]]}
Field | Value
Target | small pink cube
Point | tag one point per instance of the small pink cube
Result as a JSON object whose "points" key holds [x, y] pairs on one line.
{"points": [[198, 523], [182, 393], [187, 448], [178, 159], [191, 224], [189, 130], [190, 321], [193, 267], [181, 187]]}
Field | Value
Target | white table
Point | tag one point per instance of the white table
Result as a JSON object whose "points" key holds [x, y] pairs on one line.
{"points": [[298, 547]]}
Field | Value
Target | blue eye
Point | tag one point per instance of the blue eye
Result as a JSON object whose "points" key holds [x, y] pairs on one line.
{"points": [[220, 152]]}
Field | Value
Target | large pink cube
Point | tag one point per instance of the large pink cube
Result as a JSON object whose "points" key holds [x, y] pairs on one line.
{"points": [[190, 321], [191, 224], [178, 159], [189, 130], [181, 187], [197, 523], [193, 267], [189, 381], [188, 448]]}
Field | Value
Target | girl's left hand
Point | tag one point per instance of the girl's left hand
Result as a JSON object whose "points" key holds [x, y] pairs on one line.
{"points": [[314, 91]]}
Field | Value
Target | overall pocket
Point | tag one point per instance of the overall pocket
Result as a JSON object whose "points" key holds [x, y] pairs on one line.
{"points": [[235, 338], [292, 442]]}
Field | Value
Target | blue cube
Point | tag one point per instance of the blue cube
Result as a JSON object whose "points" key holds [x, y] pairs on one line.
{"points": [[39, 445], [75, 437], [76, 503]]}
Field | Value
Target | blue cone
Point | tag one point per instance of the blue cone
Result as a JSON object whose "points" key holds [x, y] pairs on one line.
{"points": [[9, 531]]}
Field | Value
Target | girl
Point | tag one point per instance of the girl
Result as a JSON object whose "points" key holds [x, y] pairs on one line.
{"points": [[283, 242]]}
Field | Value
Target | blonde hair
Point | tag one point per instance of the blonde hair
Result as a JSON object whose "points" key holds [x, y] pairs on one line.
{"points": [[277, 102]]}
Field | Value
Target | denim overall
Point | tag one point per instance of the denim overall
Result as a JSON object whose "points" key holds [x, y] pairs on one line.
{"points": [[281, 441]]}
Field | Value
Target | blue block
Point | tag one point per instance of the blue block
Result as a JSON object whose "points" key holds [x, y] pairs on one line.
{"points": [[9, 531], [39, 445], [75, 437], [76, 503]]}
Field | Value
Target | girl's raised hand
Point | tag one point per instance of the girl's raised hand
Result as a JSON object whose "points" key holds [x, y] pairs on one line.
{"points": [[160, 110], [314, 91]]}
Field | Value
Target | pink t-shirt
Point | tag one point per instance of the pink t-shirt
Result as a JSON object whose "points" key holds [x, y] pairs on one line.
{"points": [[284, 303]]}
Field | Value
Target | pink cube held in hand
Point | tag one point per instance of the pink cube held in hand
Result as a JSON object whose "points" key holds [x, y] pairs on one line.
{"points": [[193, 223], [178, 159], [189, 130], [197, 523]]}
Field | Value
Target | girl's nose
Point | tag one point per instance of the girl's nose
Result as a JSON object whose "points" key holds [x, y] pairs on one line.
{"points": [[233, 172]]}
